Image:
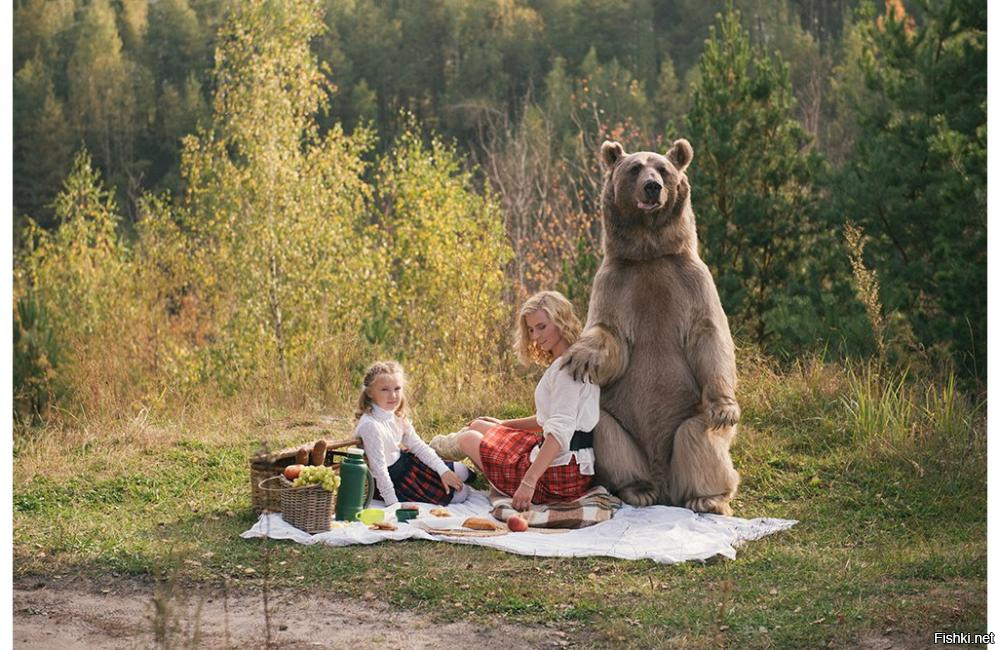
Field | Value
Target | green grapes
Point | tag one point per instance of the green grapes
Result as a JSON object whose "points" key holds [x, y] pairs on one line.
{"points": [[325, 477]]}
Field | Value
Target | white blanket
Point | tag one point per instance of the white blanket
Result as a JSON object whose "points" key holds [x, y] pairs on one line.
{"points": [[659, 533]]}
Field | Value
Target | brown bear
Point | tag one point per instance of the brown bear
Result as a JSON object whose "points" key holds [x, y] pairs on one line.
{"points": [[658, 343]]}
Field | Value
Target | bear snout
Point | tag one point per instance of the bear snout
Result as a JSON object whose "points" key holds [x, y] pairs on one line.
{"points": [[652, 190]]}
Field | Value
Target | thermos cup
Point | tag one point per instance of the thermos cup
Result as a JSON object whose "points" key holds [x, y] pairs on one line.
{"points": [[351, 498]]}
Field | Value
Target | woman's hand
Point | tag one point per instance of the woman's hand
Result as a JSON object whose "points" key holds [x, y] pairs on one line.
{"points": [[486, 418], [451, 480], [522, 496]]}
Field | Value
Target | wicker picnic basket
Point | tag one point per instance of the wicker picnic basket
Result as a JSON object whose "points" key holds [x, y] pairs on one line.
{"points": [[266, 497], [307, 507]]}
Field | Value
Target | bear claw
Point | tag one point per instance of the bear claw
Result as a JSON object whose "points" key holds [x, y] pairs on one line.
{"points": [[718, 505], [723, 414], [638, 496], [584, 365]]}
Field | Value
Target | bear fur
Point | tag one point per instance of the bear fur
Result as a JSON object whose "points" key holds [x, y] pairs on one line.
{"points": [[658, 343]]}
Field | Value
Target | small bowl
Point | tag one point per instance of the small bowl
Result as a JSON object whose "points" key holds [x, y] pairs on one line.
{"points": [[405, 514]]}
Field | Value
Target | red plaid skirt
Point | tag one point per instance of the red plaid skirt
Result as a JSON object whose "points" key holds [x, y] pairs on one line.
{"points": [[506, 459], [415, 481]]}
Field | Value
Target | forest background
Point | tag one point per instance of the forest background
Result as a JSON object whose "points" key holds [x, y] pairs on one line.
{"points": [[212, 196]]}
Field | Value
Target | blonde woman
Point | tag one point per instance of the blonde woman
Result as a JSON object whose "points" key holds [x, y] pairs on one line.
{"points": [[547, 456]]}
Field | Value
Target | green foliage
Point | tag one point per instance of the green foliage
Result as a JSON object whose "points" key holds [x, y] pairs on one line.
{"points": [[916, 181], [755, 178], [43, 139], [288, 250], [36, 359], [73, 296], [273, 214], [107, 93], [577, 274], [442, 249]]}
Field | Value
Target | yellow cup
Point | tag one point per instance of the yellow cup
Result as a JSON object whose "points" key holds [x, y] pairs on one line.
{"points": [[369, 516]]}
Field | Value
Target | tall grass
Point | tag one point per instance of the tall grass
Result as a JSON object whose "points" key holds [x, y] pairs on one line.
{"points": [[888, 410], [878, 403]]}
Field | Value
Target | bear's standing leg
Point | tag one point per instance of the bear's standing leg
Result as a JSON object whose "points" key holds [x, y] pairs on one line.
{"points": [[620, 466], [702, 477]]}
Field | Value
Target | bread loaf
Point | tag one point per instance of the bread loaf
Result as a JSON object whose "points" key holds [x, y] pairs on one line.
{"points": [[319, 453], [478, 523]]}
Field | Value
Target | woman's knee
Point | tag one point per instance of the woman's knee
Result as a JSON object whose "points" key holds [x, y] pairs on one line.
{"points": [[481, 426], [469, 440]]}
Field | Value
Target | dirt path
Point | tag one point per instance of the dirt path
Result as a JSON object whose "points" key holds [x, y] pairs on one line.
{"points": [[71, 614]]}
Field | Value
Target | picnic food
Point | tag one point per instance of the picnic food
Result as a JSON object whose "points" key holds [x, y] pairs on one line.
{"points": [[318, 452], [409, 506], [517, 524], [302, 456], [325, 477], [383, 525], [478, 523], [292, 472], [440, 512]]}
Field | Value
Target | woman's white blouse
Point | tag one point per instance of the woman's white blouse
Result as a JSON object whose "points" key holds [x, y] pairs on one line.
{"points": [[384, 434], [564, 406]]}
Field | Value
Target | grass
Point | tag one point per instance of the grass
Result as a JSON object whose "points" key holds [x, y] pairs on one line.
{"points": [[885, 472]]}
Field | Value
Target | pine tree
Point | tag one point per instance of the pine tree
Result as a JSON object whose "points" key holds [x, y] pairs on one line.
{"points": [[43, 143], [916, 182], [107, 92], [753, 178]]}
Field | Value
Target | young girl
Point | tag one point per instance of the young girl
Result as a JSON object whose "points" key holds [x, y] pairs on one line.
{"points": [[557, 465], [404, 467]]}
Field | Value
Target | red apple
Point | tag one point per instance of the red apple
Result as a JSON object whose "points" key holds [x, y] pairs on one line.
{"points": [[292, 472], [517, 524]]}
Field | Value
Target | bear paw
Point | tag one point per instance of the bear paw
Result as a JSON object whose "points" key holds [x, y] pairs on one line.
{"points": [[718, 504], [724, 412], [584, 364], [638, 494]]}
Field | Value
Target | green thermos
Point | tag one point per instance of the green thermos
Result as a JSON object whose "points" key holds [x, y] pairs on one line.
{"points": [[351, 497]]}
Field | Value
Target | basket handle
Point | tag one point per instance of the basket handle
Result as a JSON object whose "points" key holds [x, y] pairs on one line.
{"points": [[268, 488]]}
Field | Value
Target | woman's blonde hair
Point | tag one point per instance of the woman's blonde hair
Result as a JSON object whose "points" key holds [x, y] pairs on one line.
{"points": [[559, 311], [375, 371]]}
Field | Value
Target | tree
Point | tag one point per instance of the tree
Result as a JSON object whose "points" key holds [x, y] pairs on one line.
{"points": [[177, 44], [273, 212], [753, 179], [74, 296], [43, 142], [134, 21], [41, 28], [916, 182], [106, 93]]}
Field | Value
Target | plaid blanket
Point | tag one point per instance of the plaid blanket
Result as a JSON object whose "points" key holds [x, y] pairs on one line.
{"points": [[595, 506]]}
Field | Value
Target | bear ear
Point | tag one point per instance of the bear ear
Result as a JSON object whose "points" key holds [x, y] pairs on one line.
{"points": [[680, 154], [611, 153]]}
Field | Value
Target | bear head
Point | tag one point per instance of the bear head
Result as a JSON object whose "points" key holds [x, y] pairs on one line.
{"points": [[646, 202]]}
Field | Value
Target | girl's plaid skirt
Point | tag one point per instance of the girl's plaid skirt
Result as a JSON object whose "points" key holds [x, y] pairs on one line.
{"points": [[415, 481], [506, 458]]}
